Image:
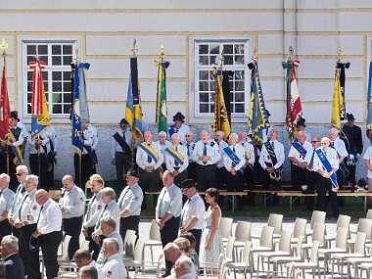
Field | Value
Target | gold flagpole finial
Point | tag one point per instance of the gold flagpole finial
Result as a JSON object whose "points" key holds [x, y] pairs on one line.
{"points": [[290, 52], [134, 48], [255, 56], [340, 53], [162, 51], [4, 46]]}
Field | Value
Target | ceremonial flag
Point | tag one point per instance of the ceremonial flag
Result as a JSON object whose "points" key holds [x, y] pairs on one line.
{"points": [[39, 106], [4, 104], [258, 114], [161, 100], [221, 121], [338, 105], [133, 110], [294, 106], [369, 98], [80, 110], [226, 77]]}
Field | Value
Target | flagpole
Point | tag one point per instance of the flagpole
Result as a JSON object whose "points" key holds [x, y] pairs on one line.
{"points": [[134, 51], [4, 46]]}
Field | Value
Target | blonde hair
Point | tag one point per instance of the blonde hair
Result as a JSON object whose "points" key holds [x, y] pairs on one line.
{"points": [[183, 244], [96, 177]]}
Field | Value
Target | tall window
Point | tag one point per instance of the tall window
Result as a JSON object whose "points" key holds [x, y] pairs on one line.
{"points": [[57, 57], [235, 55]]}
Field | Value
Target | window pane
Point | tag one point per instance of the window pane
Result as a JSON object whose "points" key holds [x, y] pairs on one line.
{"points": [[56, 49], [31, 49], [215, 49], [203, 60], [43, 59], [57, 109], [66, 109], [203, 86], [57, 87], [239, 97], [67, 49], [212, 85], [29, 97], [30, 59], [66, 75], [28, 108], [29, 75], [239, 49], [67, 98], [239, 75], [56, 60], [57, 98], [211, 108], [213, 60], [42, 49], [203, 49], [228, 49], [44, 75], [67, 86], [29, 86], [203, 75], [67, 60], [204, 108], [239, 86], [239, 108], [57, 75], [203, 97], [228, 59], [239, 59]]}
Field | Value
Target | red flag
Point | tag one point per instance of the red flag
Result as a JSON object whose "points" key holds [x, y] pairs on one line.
{"points": [[4, 105], [37, 88]]}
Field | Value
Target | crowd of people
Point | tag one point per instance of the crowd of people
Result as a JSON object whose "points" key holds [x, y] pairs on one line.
{"points": [[30, 220]]}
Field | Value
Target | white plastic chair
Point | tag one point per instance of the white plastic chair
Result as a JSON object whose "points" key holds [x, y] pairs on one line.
{"points": [[276, 221], [225, 228], [266, 242], [154, 240], [299, 230], [369, 214], [245, 265], [316, 217], [242, 235], [343, 221]]}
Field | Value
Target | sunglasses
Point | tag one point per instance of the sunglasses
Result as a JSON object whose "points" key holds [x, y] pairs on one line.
{"points": [[19, 174]]}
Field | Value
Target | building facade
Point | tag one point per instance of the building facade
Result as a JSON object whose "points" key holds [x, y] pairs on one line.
{"points": [[193, 33]]}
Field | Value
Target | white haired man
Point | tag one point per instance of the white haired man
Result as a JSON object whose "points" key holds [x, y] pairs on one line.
{"points": [[6, 201], [184, 268], [176, 159], [113, 266], [13, 264]]}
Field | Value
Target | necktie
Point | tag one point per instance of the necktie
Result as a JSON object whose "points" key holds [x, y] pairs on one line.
{"points": [[160, 205], [20, 208], [1, 193], [205, 150], [22, 189], [184, 211], [233, 165], [311, 164], [175, 161], [149, 159], [332, 144], [100, 217], [188, 150]]}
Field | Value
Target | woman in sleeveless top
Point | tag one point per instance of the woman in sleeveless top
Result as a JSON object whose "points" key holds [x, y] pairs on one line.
{"points": [[211, 242]]}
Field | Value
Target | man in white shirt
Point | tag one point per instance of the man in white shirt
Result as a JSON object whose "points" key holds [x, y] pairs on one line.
{"points": [[190, 145], [168, 211], [82, 257], [48, 232], [250, 159], [176, 159], [113, 268], [325, 184], [220, 170], [193, 212], [339, 145], [72, 204], [6, 201]]}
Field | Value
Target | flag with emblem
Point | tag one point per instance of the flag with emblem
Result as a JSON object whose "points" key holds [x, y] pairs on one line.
{"points": [[161, 99], [294, 106], [39, 106], [4, 104], [133, 109], [369, 98], [80, 110], [338, 104], [221, 120], [258, 119]]}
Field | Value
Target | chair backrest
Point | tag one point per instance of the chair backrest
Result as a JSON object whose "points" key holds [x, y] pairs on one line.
{"points": [[365, 226], [299, 229], [229, 248], [343, 221], [154, 231], [285, 241], [266, 239], [318, 233], [314, 252], [243, 231], [246, 257], [225, 227], [341, 238], [369, 214], [317, 217], [65, 244], [360, 240], [275, 221]]}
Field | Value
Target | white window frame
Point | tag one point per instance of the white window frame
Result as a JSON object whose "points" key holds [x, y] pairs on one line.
{"points": [[196, 42], [75, 42]]}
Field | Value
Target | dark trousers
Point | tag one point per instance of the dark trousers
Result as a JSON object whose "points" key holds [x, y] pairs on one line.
{"points": [[248, 177], [5, 228], [122, 164], [149, 181], [351, 178], [72, 227], [168, 234], [39, 167], [197, 234], [206, 176], [299, 177], [325, 187], [270, 184], [191, 170], [50, 171], [88, 167], [30, 258], [93, 246], [129, 223], [49, 247]]}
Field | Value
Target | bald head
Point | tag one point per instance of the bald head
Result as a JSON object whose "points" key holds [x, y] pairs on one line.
{"points": [[41, 196]]}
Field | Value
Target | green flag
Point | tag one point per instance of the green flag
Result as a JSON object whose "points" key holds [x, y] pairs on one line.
{"points": [[161, 100]]}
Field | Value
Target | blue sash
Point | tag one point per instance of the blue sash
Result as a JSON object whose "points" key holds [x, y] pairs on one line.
{"points": [[323, 159], [299, 148], [149, 151], [233, 157]]}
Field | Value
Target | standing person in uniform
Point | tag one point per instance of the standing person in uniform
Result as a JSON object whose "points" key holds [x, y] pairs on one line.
{"points": [[179, 127], [122, 150], [94, 208], [6, 201], [26, 220], [355, 146], [190, 144], [130, 202], [220, 171], [329, 155], [271, 160], [249, 159], [72, 204], [113, 267], [313, 175], [167, 212], [149, 159], [297, 155], [176, 159], [206, 155], [339, 145], [193, 212], [86, 165], [48, 232]]}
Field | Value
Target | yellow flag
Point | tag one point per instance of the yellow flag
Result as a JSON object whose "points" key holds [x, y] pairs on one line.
{"points": [[337, 106]]}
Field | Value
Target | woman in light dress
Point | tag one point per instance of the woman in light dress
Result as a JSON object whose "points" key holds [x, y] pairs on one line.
{"points": [[211, 242]]}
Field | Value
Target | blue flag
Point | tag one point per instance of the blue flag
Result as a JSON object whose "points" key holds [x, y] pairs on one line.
{"points": [[369, 98], [80, 109]]}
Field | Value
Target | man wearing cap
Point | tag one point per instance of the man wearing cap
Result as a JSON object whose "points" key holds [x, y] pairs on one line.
{"points": [[179, 127], [72, 204], [122, 150], [353, 134], [130, 202], [193, 212], [86, 165], [176, 159]]}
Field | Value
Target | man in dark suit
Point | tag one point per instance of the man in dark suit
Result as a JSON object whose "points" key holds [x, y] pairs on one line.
{"points": [[13, 264]]}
